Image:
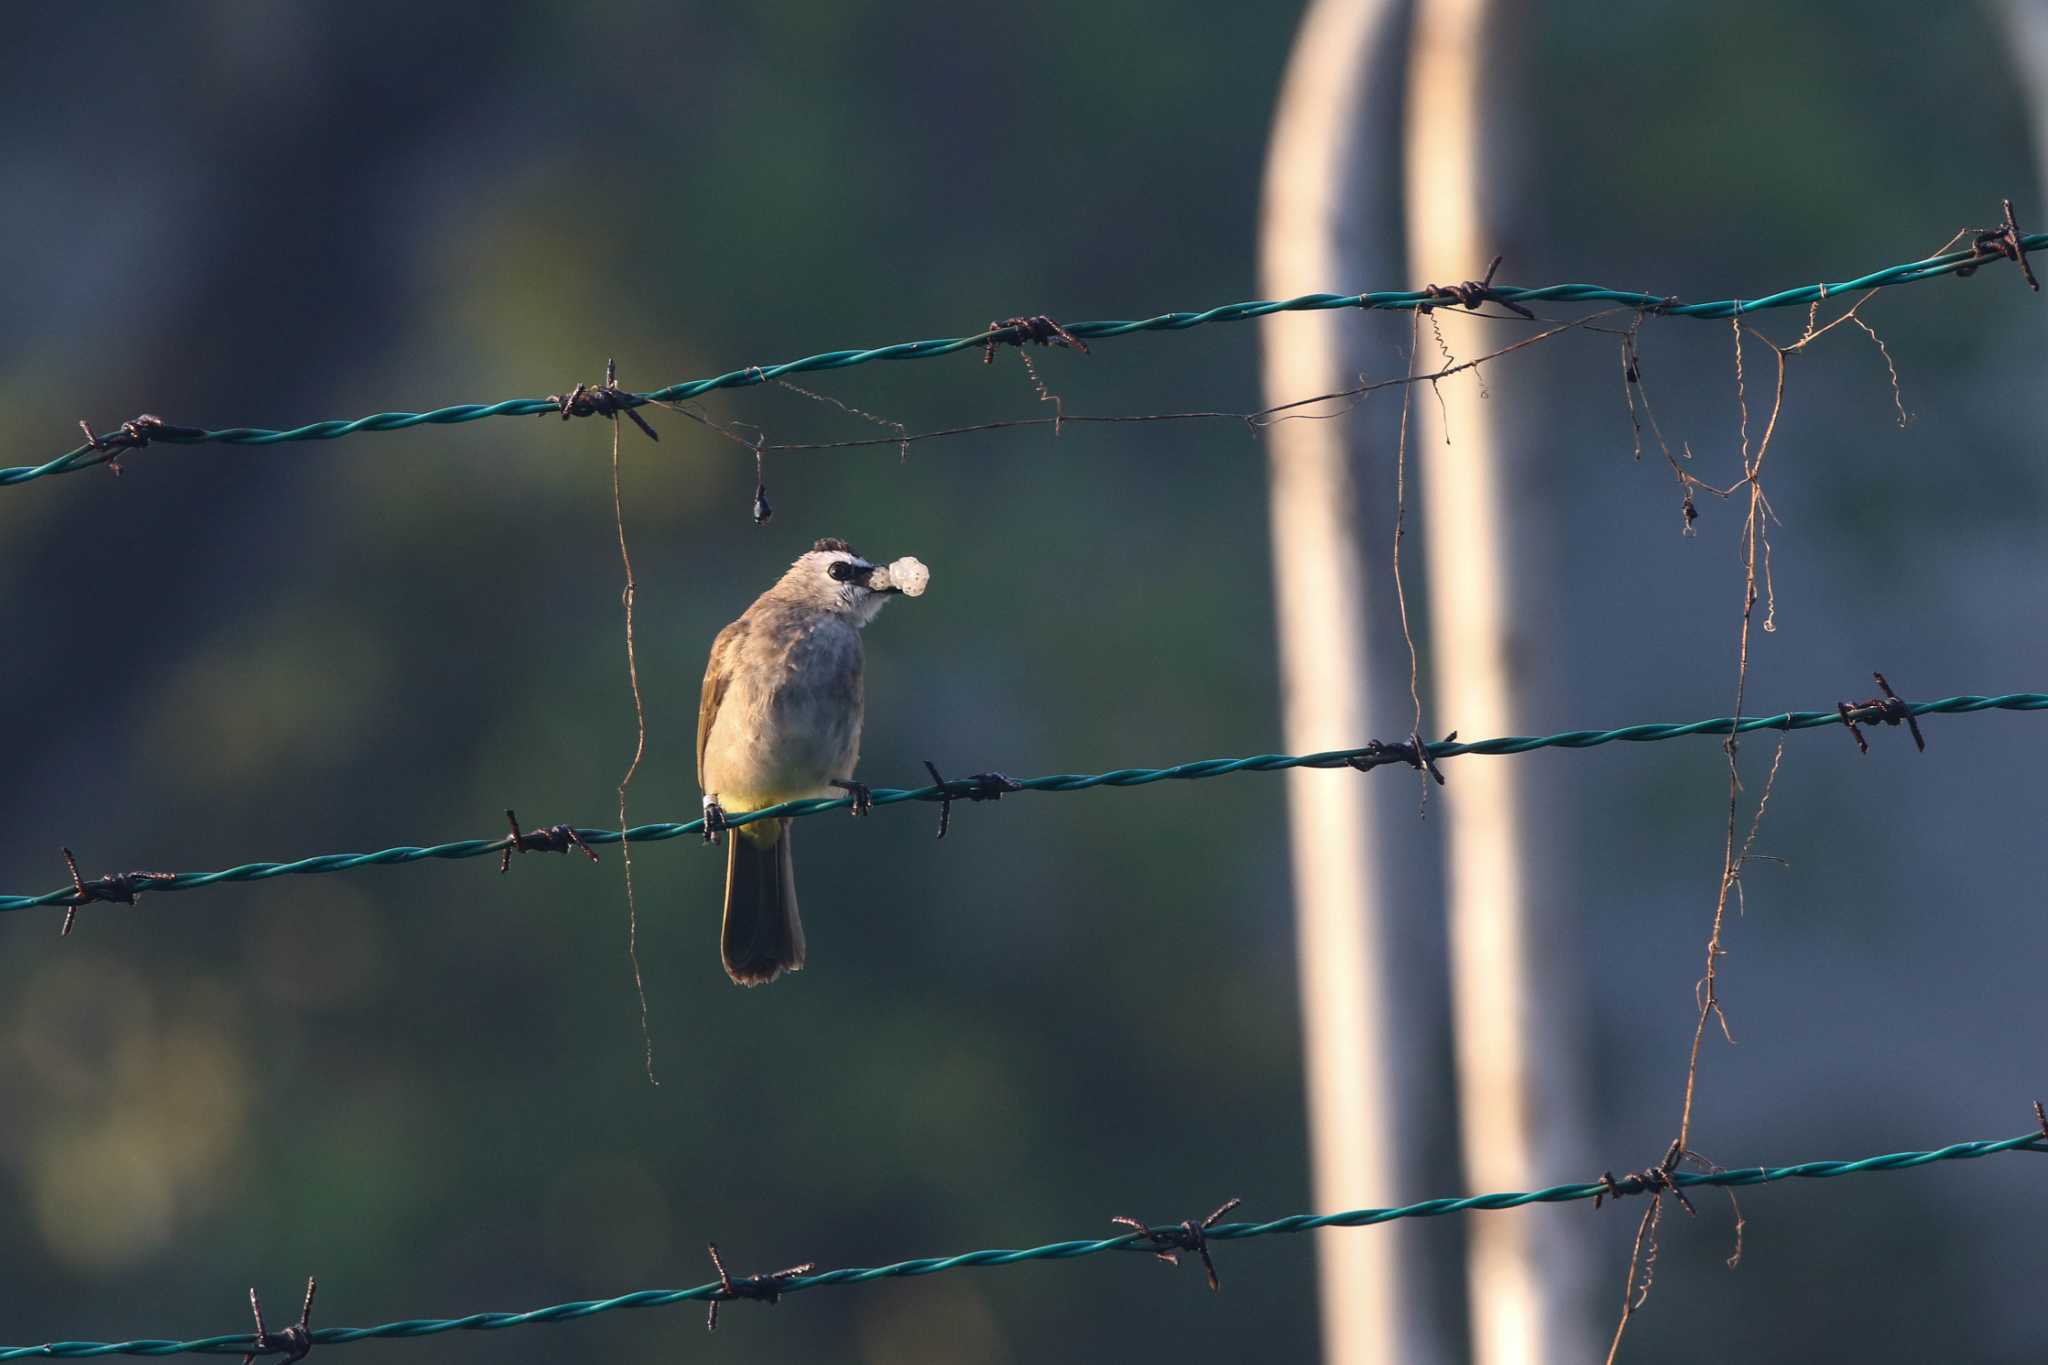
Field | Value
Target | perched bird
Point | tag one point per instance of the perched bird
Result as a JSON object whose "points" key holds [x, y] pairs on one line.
{"points": [[780, 721]]}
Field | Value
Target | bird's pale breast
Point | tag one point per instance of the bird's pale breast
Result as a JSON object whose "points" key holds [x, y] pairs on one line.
{"points": [[790, 720]]}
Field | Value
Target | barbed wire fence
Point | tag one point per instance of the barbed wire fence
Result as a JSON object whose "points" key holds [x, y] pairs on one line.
{"points": [[149, 429], [1167, 1241], [1513, 305], [128, 887]]}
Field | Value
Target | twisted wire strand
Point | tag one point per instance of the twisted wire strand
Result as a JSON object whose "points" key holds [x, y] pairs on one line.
{"points": [[1947, 263], [966, 789], [234, 1344]]}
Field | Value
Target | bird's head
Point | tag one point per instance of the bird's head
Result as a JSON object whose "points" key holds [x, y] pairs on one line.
{"points": [[832, 576]]}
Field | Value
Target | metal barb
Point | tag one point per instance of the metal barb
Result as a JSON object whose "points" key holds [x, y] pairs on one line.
{"points": [[1896, 709], [602, 400], [546, 839], [980, 787], [1653, 1180], [1889, 709], [1471, 294], [2001, 243], [294, 1342], [1168, 1243], [1848, 715], [1424, 759], [120, 888], [760, 1288], [1038, 327], [134, 434], [1414, 752]]}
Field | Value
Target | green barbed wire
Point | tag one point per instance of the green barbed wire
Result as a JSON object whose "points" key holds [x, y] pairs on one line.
{"points": [[1372, 755], [1948, 263], [234, 1344]]}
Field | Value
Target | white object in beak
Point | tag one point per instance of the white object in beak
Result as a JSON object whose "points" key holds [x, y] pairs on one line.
{"points": [[907, 575]]}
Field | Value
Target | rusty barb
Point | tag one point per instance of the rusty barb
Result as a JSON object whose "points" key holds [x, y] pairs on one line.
{"points": [[135, 433], [1471, 294], [1414, 752], [601, 400], [1189, 1236], [759, 1288], [980, 787], [1889, 709], [119, 888], [1652, 1180], [1017, 331], [546, 839], [294, 1342], [2001, 243]]}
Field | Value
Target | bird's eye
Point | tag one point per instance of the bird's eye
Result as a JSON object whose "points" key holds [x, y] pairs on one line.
{"points": [[840, 570]]}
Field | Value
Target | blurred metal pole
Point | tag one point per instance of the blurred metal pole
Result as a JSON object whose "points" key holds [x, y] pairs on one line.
{"points": [[2027, 23], [1330, 214], [1520, 1056]]}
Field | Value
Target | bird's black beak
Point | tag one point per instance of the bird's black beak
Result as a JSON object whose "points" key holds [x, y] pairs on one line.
{"points": [[866, 578]]}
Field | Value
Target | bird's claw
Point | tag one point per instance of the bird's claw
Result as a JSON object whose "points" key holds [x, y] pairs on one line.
{"points": [[863, 796], [714, 820]]}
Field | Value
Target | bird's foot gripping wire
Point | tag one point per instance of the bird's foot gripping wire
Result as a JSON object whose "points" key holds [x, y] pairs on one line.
{"points": [[863, 796], [714, 820]]}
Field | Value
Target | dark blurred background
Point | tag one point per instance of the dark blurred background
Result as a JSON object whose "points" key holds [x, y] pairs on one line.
{"points": [[424, 1084]]}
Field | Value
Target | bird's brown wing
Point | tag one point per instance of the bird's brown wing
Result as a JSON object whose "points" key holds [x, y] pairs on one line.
{"points": [[717, 677]]}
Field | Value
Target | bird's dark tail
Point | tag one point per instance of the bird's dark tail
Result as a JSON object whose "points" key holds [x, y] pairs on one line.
{"points": [[762, 937]]}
